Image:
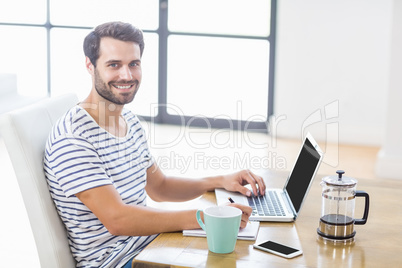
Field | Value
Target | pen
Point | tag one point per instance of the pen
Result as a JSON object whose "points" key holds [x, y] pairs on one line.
{"points": [[231, 201]]}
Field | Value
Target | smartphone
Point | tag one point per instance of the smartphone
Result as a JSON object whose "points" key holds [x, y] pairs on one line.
{"points": [[278, 249]]}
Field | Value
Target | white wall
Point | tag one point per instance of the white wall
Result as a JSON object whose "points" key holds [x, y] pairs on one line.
{"points": [[333, 55], [390, 156]]}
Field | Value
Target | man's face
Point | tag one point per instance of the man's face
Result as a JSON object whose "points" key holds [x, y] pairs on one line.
{"points": [[118, 71]]}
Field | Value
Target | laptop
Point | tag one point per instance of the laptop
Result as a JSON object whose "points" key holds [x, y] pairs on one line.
{"points": [[289, 200]]}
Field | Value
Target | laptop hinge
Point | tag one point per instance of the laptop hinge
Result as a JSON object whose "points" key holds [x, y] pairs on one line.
{"points": [[289, 204]]}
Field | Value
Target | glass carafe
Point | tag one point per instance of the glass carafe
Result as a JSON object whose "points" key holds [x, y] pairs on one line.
{"points": [[337, 209]]}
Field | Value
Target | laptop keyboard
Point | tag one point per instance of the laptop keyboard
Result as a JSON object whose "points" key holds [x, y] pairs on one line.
{"points": [[266, 205]]}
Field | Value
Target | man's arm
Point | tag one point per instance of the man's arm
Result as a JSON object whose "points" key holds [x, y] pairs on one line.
{"points": [[162, 188], [133, 220]]}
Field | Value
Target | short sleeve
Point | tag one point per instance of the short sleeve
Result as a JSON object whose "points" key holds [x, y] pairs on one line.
{"points": [[76, 165]]}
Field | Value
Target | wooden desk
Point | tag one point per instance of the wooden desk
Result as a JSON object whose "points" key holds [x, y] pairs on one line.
{"points": [[377, 244]]}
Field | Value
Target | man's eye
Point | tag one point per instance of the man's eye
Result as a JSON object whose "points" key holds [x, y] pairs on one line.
{"points": [[134, 64], [113, 65]]}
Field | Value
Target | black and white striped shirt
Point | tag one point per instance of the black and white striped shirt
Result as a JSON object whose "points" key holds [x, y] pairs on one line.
{"points": [[79, 156]]}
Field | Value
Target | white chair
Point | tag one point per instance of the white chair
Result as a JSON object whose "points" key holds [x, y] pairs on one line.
{"points": [[25, 132]]}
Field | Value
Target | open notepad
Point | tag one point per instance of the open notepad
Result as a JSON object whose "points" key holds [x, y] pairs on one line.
{"points": [[248, 233]]}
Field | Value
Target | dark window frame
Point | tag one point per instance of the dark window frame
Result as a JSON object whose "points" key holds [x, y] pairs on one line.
{"points": [[163, 32], [165, 118]]}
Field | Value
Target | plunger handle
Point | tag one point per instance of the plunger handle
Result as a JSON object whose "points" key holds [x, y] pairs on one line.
{"points": [[340, 173]]}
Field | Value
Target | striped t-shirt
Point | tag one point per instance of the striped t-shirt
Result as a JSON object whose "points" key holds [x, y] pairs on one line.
{"points": [[79, 156]]}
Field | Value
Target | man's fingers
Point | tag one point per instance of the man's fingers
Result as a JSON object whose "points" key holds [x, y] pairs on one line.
{"points": [[255, 180], [246, 213]]}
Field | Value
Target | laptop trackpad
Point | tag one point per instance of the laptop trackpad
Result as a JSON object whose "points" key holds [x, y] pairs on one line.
{"points": [[223, 195]]}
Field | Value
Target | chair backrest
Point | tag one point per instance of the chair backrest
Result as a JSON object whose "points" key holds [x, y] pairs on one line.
{"points": [[25, 132]]}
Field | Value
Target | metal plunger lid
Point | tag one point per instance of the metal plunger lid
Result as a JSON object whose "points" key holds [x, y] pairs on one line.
{"points": [[340, 180]]}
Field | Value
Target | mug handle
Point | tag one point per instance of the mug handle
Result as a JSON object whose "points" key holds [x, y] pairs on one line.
{"points": [[366, 207], [199, 220]]}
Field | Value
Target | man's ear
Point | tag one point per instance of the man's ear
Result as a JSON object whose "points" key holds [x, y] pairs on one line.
{"points": [[90, 67]]}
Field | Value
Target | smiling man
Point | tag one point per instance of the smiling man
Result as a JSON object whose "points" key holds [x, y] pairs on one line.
{"points": [[100, 170]]}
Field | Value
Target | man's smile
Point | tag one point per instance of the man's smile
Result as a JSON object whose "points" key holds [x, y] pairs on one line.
{"points": [[124, 87]]}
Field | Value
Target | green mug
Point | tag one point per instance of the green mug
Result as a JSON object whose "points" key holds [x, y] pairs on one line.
{"points": [[222, 225]]}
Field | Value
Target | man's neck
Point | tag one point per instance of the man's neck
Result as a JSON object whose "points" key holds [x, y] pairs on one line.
{"points": [[106, 114]]}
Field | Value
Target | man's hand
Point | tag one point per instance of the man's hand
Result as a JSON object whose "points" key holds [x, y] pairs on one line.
{"points": [[246, 213], [235, 183]]}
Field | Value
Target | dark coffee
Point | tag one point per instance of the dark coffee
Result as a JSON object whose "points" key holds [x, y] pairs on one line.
{"points": [[337, 219]]}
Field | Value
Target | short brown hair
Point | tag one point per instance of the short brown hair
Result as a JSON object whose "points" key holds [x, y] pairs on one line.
{"points": [[117, 30]]}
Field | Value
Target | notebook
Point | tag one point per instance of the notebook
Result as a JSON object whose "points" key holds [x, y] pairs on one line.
{"points": [[289, 199], [248, 233]]}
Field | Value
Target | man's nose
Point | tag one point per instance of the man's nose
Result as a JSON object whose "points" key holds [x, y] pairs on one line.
{"points": [[125, 73]]}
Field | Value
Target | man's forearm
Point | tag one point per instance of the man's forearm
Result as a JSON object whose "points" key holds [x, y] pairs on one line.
{"points": [[176, 189], [140, 221]]}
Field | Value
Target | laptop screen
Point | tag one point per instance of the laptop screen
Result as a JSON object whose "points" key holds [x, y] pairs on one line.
{"points": [[302, 173]]}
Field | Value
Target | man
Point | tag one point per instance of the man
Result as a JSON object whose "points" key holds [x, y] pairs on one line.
{"points": [[99, 167]]}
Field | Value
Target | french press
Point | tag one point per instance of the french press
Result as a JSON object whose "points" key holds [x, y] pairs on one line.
{"points": [[337, 210]]}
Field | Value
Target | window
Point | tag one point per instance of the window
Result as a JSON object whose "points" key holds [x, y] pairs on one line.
{"points": [[216, 71], [23, 52], [206, 63]]}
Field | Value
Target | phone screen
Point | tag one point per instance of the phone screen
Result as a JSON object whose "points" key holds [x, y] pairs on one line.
{"points": [[278, 247]]}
